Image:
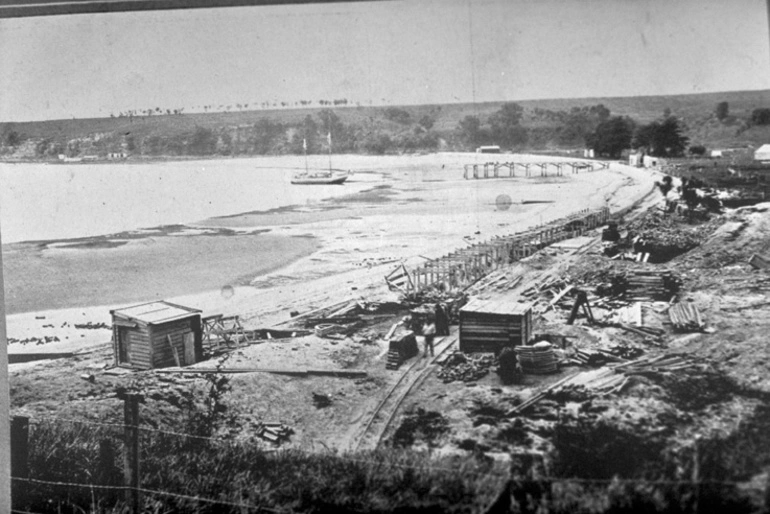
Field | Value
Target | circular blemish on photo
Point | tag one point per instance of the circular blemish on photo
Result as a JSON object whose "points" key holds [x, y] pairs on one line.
{"points": [[503, 202], [227, 292]]}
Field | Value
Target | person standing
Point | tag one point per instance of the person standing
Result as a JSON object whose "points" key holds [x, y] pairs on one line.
{"points": [[429, 333]]}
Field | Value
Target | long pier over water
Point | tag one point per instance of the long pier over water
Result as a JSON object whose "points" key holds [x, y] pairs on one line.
{"points": [[508, 169]]}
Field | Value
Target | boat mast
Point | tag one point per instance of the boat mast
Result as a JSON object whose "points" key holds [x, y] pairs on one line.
{"points": [[329, 136], [304, 147]]}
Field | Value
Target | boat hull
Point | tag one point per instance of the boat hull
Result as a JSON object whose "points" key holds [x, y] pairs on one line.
{"points": [[324, 181]]}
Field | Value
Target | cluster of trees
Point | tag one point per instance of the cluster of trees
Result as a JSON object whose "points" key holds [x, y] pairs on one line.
{"points": [[661, 138], [504, 127], [313, 135]]}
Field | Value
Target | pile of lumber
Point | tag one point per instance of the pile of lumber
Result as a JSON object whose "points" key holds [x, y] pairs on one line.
{"points": [[460, 366], [538, 359], [685, 317], [647, 285], [274, 432]]}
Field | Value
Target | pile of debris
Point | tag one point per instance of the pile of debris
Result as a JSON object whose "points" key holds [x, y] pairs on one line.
{"points": [[461, 366], [275, 432], [665, 237]]}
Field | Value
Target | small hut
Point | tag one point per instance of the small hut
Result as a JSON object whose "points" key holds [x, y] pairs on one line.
{"points": [[156, 335], [491, 325]]}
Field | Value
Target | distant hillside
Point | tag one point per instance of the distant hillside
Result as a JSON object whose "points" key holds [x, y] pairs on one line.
{"points": [[546, 125]]}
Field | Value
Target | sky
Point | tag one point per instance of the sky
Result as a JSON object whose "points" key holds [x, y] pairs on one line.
{"points": [[379, 53]]}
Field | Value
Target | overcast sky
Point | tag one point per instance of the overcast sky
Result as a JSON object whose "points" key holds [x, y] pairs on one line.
{"points": [[396, 52]]}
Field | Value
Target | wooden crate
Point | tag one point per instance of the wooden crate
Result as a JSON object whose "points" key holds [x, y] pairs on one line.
{"points": [[491, 325]]}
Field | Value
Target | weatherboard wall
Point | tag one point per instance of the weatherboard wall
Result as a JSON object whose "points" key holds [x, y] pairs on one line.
{"points": [[490, 326], [150, 345]]}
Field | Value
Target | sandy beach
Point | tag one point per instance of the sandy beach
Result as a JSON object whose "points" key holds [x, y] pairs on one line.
{"points": [[263, 263]]}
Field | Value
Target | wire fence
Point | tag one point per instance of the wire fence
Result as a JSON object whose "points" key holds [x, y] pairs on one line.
{"points": [[384, 463]]}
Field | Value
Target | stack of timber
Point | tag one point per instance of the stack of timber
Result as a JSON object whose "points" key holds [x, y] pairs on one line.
{"points": [[647, 285], [401, 346], [538, 359], [491, 325], [685, 317], [274, 432]]}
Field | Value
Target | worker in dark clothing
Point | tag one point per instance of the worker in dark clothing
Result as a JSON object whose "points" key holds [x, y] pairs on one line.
{"points": [[610, 239], [442, 321], [428, 333]]}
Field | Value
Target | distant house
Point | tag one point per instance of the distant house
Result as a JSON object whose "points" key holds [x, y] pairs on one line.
{"points": [[156, 335], [588, 153], [762, 153], [717, 154], [652, 162], [636, 159], [117, 155], [488, 149]]}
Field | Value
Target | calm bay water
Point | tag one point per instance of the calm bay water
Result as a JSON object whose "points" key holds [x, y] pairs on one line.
{"points": [[58, 201]]}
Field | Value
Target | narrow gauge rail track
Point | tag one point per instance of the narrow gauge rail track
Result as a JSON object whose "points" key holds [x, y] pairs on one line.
{"points": [[373, 432]]}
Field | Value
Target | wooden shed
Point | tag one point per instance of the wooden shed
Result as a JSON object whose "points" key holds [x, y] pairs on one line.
{"points": [[156, 335], [491, 325]]}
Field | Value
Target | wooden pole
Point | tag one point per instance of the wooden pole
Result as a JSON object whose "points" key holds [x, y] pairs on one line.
{"points": [[696, 474], [131, 453], [5, 408], [20, 456]]}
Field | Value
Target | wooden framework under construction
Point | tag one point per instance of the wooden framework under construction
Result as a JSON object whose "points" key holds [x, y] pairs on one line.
{"points": [[461, 268]]}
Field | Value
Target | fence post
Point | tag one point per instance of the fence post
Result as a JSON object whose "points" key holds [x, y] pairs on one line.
{"points": [[131, 453], [20, 456], [696, 474]]}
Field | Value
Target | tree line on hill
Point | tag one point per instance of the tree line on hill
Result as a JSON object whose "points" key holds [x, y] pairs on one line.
{"points": [[390, 130]]}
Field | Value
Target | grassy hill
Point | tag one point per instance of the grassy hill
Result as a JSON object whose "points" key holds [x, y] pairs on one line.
{"points": [[173, 133]]}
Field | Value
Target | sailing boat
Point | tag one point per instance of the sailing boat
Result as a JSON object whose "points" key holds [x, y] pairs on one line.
{"points": [[320, 177]]}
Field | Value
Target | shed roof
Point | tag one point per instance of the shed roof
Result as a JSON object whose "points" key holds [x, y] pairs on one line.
{"points": [[154, 313], [762, 152], [499, 305]]}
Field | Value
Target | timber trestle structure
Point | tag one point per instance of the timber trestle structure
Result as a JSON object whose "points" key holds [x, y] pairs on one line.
{"points": [[540, 169], [461, 268]]}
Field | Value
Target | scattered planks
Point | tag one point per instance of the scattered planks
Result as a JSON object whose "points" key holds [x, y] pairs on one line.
{"points": [[685, 317], [609, 379], [299, 372]]}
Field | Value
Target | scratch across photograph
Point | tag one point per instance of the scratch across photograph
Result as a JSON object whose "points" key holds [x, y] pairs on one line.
{"points": [[385, 256]]}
